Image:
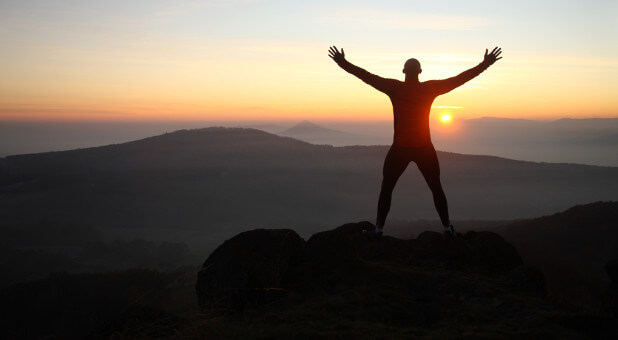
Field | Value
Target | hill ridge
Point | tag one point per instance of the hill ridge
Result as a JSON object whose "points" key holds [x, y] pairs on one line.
{"points": [[247, 133]]}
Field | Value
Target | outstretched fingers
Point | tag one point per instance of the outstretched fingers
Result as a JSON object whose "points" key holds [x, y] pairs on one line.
{"points": [[496, 52], [493, 56], [334, 53]]}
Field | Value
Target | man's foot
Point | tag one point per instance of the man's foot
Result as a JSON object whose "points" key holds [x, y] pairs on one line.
{"points": [[449, 231], [372, 235]]}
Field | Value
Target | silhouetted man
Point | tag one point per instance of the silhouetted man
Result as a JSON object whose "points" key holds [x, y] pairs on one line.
{"points": [[412, 101]]}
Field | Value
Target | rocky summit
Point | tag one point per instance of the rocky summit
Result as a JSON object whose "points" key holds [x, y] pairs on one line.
{"points": [[341, 284]]}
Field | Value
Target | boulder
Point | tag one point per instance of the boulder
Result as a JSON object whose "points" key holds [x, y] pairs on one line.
{"points": [[481, 252], [248, 270], [258, 267]]}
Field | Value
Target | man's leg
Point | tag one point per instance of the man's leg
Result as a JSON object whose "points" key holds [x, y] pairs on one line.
{"points": [[395, 164], [430, 168]]}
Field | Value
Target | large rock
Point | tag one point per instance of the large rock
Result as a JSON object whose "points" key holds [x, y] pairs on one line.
{"points": [[483, 252], [248, 270], [259, 266]]}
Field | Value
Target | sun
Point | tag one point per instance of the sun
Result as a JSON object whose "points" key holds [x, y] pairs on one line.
{"points": [[445, 118]]}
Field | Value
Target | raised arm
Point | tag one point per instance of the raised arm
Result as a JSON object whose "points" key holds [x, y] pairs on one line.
{"points": [[446, 85], [379, 83]]}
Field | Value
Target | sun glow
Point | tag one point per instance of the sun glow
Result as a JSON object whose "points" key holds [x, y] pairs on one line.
{"points": [[445, 118]]}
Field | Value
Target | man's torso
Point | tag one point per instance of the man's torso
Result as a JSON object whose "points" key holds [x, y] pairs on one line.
{"points": [[411, 109]]}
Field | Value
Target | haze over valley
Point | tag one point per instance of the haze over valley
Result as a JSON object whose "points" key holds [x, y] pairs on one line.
{"points": [[582, 141], [201, 186]]}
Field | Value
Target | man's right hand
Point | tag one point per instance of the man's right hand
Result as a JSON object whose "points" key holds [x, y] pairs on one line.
{"points": [[337, 56], [491, 58]]}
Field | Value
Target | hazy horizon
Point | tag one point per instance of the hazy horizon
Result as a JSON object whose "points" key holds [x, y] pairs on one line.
{"points": [[591, 141]]}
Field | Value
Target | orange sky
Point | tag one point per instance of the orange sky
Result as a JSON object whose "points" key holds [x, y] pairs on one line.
{"points": [[169, 62]]}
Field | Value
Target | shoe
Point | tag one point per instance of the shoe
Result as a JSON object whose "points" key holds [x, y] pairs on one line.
{"points": [[371, 235], [449, 231]]}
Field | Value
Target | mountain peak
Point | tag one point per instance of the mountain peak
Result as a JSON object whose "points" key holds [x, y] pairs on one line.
{"points": [[307, 123], [306, 127]]}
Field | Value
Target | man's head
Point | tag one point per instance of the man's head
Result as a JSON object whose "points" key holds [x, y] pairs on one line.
{"points": [[412, 67]]}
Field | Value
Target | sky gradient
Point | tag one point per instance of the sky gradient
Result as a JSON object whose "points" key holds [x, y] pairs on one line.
{"points": [[252, 60]]}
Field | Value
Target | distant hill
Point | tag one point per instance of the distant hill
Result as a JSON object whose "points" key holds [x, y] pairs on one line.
{"points": [[591, 141], [306, 127], [571, 247], [202, 186], [317, 134]]}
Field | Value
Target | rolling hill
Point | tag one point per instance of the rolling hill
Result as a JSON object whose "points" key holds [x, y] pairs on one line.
{"points": [[317, 134], [571, 247], [202, 186]]}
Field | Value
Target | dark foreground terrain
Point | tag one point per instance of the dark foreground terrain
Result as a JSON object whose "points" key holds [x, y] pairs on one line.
{"points": [[272, 284]]}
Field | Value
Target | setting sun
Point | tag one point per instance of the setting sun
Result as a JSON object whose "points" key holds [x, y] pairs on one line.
{"points": [[445, 118]]}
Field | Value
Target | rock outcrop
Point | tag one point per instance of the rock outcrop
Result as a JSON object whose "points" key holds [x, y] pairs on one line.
{"points": [[248, 269], [340, 285], [257, 267]]}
